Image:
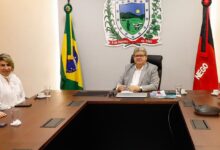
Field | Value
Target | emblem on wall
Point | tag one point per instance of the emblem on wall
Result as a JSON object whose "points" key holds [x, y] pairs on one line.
{"points": [[132, 22]]}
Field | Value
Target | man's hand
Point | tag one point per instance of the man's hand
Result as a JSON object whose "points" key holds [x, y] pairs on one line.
{"points": [[134, 88], [121, 88]]}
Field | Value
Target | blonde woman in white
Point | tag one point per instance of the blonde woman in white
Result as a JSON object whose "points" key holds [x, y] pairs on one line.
{"points": [[11, 89]]}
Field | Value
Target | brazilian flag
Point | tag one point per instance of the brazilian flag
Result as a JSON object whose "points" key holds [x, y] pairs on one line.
{"points": [[71, 76]]}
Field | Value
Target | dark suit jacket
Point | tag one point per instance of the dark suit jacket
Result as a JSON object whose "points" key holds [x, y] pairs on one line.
{"points": [[149, 79]]}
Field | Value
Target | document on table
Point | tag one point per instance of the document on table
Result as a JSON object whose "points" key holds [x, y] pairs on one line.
{"points": [[162, 94], [131, 94]]}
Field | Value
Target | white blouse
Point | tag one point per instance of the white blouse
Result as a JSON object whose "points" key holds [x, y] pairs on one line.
{"points": [[11, 91]]}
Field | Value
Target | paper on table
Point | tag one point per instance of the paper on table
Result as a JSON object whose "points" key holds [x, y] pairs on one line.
{"points": [[16, 122], [42, 95], [126, 92], [161, 94], [183, 92]]}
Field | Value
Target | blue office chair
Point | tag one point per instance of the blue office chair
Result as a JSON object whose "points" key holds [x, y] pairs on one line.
{"points": [[156, 60]]}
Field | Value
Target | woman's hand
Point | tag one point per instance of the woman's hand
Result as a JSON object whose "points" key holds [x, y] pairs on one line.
{"points": [[2, 114]]}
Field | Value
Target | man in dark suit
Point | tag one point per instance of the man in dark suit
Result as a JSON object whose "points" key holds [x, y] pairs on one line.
{"points": [[140, 75]]}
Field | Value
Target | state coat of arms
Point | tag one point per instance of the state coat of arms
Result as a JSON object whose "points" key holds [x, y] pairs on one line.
{"points": [[132, 22]]}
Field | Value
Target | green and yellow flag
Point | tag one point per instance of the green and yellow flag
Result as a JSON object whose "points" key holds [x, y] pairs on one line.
{"points": [[71, 76]]}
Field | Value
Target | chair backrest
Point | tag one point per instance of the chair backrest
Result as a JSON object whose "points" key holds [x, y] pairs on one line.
{"points": [[156, 60]]}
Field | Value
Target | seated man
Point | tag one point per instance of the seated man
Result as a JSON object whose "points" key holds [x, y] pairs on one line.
{"points": [[140, 75]]}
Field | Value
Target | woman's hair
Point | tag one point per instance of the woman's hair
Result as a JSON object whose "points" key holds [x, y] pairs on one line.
{"points": [[7, 58], [140, 49]]}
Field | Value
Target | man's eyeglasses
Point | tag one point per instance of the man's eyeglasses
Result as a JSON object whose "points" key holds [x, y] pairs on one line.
{"points": [[139, 55]]}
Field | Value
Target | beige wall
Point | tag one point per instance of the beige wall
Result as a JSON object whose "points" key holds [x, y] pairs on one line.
{"points": [[29, 33]]}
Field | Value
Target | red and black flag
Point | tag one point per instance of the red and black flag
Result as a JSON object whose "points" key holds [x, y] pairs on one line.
{"points": [[205, 77]]}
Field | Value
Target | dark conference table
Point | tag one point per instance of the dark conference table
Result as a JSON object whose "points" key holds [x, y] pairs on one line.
{"points": [[109, 123]]}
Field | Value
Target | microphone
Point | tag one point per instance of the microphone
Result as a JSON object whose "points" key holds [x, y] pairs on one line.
{"points": [[112, 93], [206, 110]]}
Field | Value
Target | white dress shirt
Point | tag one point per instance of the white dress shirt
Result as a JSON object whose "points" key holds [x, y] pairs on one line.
{"points": [[136, 76], [11, 91]]}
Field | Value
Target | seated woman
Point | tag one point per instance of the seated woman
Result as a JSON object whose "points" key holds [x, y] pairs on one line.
{"points": [[11, 89]]}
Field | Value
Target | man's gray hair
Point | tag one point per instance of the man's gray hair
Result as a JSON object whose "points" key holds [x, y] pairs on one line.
{"points": [[140, 49]]}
